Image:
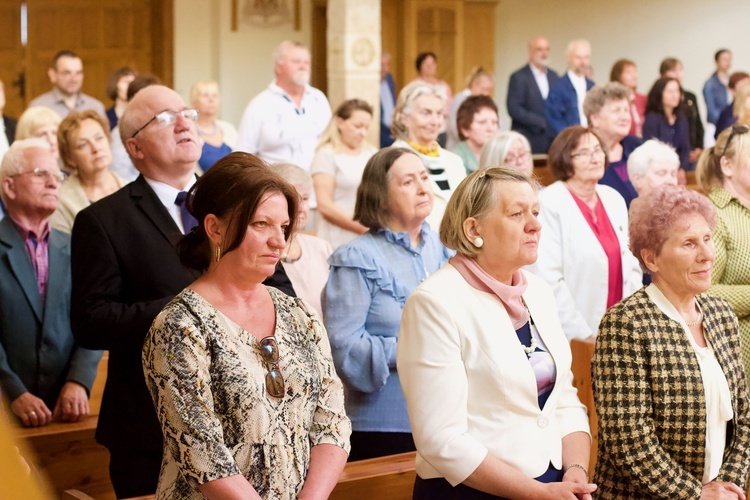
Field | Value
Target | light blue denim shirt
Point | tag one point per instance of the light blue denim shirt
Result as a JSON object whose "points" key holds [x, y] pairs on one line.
{"points": [[370, 279]]}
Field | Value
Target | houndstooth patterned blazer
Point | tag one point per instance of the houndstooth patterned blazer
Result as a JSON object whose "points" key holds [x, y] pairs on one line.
{"points": [[649, 397]]}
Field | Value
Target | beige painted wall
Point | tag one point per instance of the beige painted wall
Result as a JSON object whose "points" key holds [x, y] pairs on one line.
{"points": [[206, 48], [645, 31]]}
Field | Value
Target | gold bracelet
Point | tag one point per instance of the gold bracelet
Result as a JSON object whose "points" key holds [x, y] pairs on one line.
{"points": [[579, 467]]}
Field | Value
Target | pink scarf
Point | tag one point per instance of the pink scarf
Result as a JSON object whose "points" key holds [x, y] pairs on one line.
{"points": [[509, 295]]}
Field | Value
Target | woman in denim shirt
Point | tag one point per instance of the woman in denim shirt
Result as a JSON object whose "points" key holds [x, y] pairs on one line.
{"points": [[370, 279]]}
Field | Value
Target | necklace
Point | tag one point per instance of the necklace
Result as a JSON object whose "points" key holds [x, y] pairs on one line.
{"points": [[213, 130], [696, 322], [531, 348]]}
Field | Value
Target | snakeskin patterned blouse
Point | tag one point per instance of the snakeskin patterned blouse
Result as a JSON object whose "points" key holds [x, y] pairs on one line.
{"points": [[207, 378]]}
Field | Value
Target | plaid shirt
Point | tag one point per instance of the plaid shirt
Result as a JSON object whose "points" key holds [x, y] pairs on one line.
{"points": [[649, 397], [37, 247]]}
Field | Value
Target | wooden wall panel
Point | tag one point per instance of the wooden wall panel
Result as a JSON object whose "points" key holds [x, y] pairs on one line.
{"points": [[107, 34], [479, 45], [460, 32]]}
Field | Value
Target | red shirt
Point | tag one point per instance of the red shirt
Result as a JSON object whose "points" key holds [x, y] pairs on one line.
{"points": [[602, 227]]}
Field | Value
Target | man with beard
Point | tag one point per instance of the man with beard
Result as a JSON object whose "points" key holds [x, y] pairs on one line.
{"points": [[283, 124]]}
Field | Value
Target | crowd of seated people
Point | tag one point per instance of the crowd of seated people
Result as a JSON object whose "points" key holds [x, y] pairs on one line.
{"points": [[282, 298]]}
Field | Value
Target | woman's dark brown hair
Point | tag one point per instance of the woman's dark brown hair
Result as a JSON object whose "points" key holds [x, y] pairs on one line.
{"points": [[232, 190], [470, 107], [559, 155], [371, 208]]}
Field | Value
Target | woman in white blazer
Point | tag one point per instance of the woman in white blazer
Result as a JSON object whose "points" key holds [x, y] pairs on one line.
{"points": [[483, 361], [584, 254]]}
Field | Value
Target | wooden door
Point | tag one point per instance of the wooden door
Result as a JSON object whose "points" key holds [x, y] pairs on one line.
{"points": [[459, 32], [106, 34]]}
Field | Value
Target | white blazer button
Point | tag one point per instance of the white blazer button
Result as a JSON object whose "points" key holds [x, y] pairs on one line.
{"points": [[542, 422]]}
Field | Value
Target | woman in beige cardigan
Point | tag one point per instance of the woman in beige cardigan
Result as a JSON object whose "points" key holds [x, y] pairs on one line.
{"points": [[83, 138]]}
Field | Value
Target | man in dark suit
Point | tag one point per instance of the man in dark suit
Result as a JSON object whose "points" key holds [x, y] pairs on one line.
{"points": [[126, 269], [387, 100], [43, 372], [564, 106], [527, 92]]}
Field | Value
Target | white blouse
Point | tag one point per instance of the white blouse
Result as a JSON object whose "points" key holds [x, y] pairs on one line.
{"points": [[718, 398]]}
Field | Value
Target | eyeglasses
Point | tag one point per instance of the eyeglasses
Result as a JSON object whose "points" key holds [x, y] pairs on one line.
{"points": [[737, 129], [588, 153], [40, 173], [170, 117], [514, 160], [274, 380]]}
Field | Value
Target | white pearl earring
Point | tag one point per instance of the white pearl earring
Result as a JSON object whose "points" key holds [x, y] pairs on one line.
{"points": [[478, 242]]}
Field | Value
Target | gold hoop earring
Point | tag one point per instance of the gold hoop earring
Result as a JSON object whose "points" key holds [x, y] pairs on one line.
{"points": [[218, 252]]}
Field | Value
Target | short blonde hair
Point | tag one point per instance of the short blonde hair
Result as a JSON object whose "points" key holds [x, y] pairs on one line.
{"points": [[476, 196], [292, 173], [33, 118], [406, 99], [202, 85], [331, 135], [70, 127], [708, 172]]}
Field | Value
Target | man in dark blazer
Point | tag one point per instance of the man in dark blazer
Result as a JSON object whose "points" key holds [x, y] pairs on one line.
{"points": [[387, 100], [43, 372], [527, 92], [565, 101], [126, 269]]}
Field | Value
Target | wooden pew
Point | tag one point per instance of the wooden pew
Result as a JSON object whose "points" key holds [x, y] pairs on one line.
{"points": [[67, 455], [390, 477], [583, 351]]}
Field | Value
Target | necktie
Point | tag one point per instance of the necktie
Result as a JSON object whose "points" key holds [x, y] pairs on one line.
{"points": [[188, 221]]}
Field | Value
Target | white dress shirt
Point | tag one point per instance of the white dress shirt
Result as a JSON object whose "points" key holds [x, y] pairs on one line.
{"points": [[579, 83], [167, 196], [541, 80]]}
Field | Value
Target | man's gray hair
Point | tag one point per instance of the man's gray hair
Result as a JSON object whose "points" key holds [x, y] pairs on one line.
{"points": [[283, 47], [14, 161]]}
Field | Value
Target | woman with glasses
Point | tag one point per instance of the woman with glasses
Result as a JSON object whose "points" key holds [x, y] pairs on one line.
{"points": [[370, 279], [724, 174], [509, 149], [584, 254], [607, 108], [84, 141], [483, 360], [665, 121], [241, 374]]}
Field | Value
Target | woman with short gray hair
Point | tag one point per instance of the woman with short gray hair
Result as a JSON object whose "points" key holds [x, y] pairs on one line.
{"points": [[416, 124], [607, 108], [651, 165], [510, 149]]}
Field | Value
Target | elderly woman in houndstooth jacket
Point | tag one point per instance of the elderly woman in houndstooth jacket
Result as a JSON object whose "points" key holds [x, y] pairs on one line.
{"points": [[669, 384]]}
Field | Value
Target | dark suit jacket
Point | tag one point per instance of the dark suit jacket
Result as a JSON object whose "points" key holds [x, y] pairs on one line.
{"points": [[10, 128], [125, 270], [526, 107], [561, 108], [38, 353], [385, 132]]}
